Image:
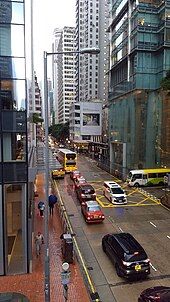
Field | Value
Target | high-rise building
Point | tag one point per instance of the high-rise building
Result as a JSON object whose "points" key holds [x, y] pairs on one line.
{"points": [[56, 37], [15, 211], [139, 116], [91, 70], [38, 99], [64, 73]]}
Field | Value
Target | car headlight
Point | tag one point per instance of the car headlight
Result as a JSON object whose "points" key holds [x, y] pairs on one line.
{"points": [[126, 263]]}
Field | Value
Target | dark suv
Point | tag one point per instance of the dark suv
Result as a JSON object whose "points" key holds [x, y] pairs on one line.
{"points": [[127, 254], [155, 294], [85, 192]]}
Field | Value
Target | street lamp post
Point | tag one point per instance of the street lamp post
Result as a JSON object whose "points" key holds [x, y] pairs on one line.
{"points": [[93, 51]]}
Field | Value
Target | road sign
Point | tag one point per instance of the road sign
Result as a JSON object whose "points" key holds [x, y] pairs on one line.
{"points": [[65, 277]]}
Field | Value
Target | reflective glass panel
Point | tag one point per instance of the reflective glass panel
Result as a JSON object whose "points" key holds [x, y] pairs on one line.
{"points": [[15, 217], [14, 147], [0, 149], [14, 121], [12, 95], [15, 172], [9, 34], [12, 68], [11, 12], [1, 236]]}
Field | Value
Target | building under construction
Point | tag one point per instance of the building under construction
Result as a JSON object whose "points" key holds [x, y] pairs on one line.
{"points": [[139, 110]]}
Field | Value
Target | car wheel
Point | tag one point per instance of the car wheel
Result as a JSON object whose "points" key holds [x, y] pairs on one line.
{"points": [[118, 270], [103, 247], [136, 185], [104, 193], [161, 183]]}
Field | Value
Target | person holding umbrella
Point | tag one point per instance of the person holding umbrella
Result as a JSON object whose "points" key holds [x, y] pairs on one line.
{"points": [[52, 200]]}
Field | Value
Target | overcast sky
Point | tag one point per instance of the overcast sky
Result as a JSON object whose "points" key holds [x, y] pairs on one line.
{"points": [[49, 14]]}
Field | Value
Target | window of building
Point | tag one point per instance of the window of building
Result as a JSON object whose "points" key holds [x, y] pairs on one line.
{"points": [[14, 147], [14, 31], [77, 114], [86, 137], [12, 94], [15, 217]]}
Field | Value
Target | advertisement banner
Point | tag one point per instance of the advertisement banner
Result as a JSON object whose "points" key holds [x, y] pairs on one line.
{"points": [[91, 119]]}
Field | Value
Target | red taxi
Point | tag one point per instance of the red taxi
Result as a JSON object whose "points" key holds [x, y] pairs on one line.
{"points": [[92, 211], [79, 181]]}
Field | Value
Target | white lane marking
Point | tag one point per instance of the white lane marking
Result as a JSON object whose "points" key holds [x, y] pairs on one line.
{"points": [[152, 224], [153, 267], [168, 237], [120, 229]]}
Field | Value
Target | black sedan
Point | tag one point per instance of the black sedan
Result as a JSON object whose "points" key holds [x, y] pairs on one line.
{"points": [[155, 294]]}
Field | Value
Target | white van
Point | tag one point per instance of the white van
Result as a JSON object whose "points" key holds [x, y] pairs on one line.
{"points": [[114, 193]]}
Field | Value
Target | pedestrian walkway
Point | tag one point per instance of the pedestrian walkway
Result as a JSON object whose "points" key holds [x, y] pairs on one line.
{"points": [[32, 285]]}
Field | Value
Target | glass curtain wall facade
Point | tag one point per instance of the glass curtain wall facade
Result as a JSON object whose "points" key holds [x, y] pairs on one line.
{"points": [[139, 59], [13, 140]]}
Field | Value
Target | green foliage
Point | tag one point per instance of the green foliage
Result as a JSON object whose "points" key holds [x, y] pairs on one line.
{"points": [[35, 118], [59, 131], [165, 82]]}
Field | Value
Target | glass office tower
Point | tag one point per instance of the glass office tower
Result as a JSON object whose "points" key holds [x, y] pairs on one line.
{"points": [[13, 140]]}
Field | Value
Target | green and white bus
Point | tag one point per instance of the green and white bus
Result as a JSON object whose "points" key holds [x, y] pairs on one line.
{"points": [[147, 177]]}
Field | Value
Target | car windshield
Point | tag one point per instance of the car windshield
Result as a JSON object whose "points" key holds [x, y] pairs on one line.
{"points": [[135, 257], [88, 191], [93, 208], [117, 191]]}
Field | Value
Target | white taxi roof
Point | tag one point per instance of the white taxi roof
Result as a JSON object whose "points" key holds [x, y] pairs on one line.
{"points": [[112, 184]]}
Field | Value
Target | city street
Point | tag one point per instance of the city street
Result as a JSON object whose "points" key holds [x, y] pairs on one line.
{"points": [[143, 217]]}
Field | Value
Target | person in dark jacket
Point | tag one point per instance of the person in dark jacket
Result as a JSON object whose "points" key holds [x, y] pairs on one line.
{"points": [[52, 200]]}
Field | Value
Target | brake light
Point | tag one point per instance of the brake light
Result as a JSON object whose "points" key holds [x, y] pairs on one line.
{"points": [[82, 195]]}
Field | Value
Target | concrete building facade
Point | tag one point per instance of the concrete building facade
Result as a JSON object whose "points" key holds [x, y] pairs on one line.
{"points": [[85, 121], [91, 24], [64, 75]]}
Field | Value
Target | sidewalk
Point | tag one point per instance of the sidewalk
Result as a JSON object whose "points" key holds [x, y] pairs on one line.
{"points": [[32, 285]]}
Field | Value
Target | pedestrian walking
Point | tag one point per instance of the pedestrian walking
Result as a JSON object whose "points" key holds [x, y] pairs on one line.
{"points": [[41, 207], [39, 240], [52, 200]]}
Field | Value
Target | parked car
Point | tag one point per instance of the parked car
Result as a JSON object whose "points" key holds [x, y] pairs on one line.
{"points": [[79, 181], [85, 192], [114, 193], [155, 294], [75, 174], [128, 256], [92, 211]]}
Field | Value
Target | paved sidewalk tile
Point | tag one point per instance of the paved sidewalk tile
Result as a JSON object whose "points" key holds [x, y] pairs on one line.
{"points": [[32, 285]]}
